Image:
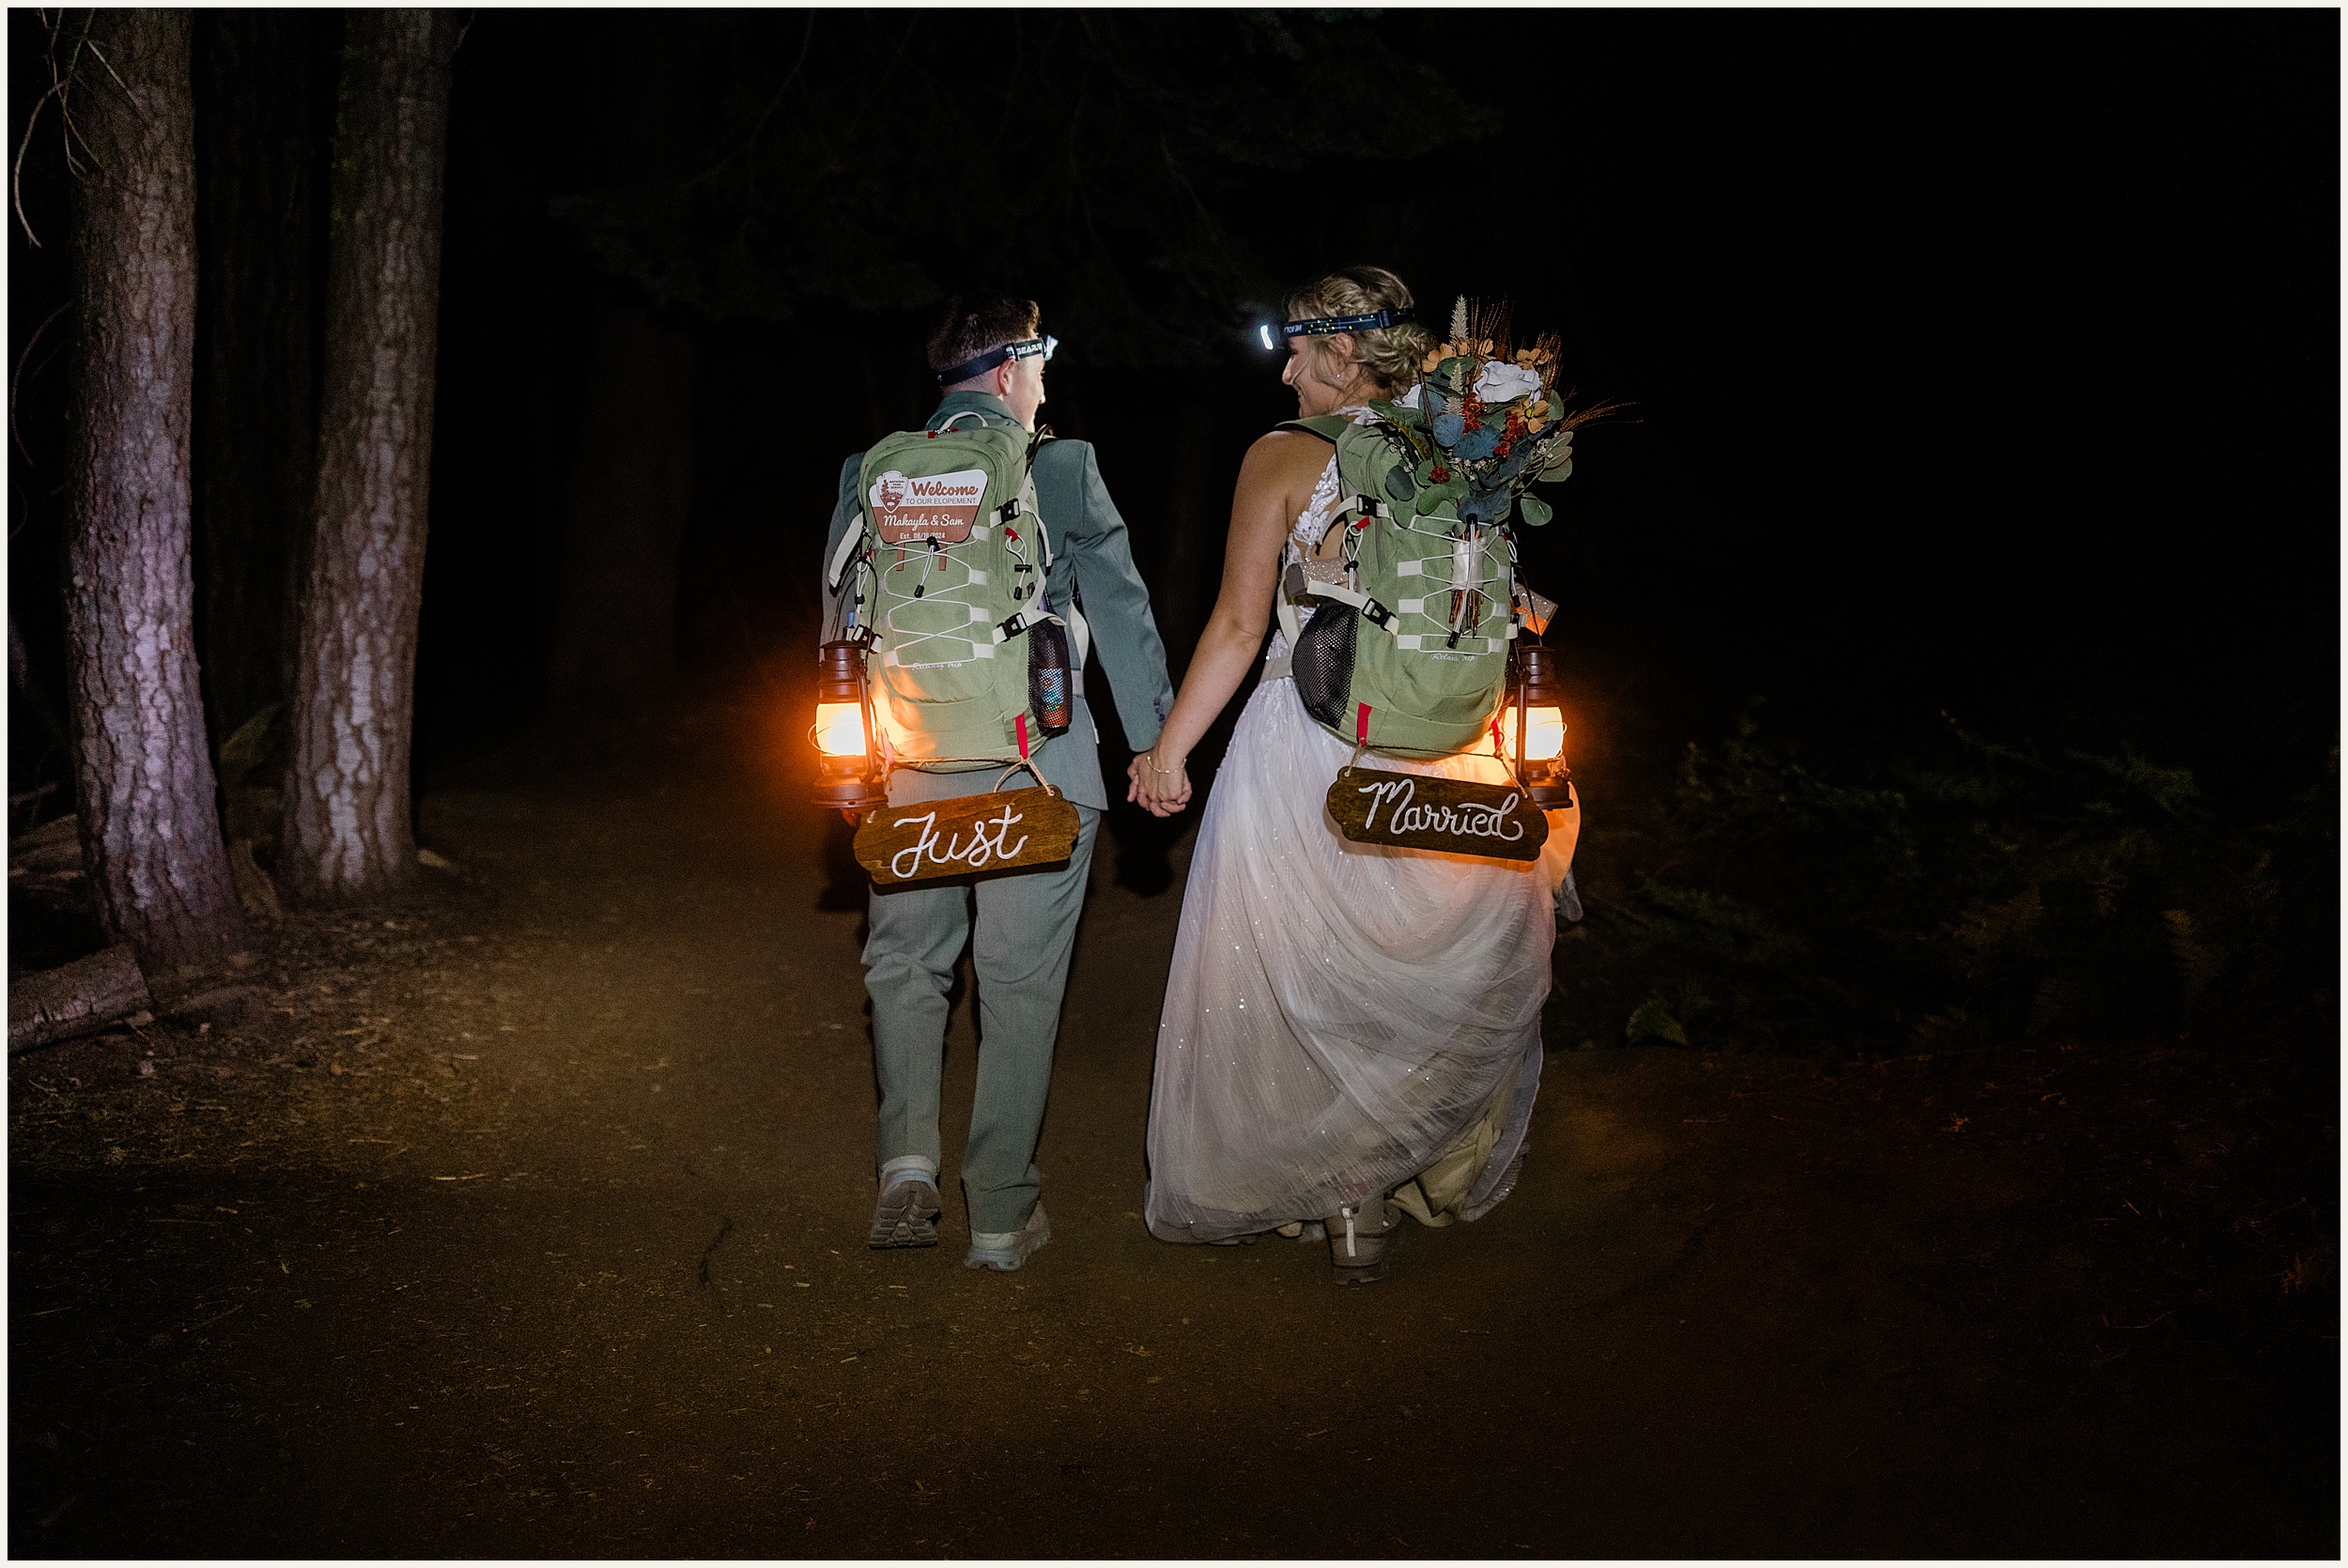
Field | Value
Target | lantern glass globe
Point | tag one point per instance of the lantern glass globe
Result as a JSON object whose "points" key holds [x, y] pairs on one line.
{"points": [[840, 728], [1544, 739]]}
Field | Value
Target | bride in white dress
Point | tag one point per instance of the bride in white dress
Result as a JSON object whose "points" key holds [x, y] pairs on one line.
{"points": [[1351, 1033]]}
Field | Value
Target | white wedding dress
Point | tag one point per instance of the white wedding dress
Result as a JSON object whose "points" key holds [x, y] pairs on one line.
{"points": [[1342, 1021]]}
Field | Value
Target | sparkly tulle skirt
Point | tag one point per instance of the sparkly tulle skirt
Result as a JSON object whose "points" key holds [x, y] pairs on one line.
{"points": [[1342, 1021]]}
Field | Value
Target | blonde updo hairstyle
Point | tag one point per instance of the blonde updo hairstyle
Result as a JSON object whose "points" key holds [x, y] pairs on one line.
{"points": [[1389, 355]]}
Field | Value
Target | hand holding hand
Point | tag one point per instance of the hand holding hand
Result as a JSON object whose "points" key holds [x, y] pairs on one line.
{"points": [[1161, 789]]}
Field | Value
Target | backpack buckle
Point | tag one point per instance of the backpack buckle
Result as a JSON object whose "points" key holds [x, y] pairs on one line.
{"points": [[1377, 615], [1006, 630]]}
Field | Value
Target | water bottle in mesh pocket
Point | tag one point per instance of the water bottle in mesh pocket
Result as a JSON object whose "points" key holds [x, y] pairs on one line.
{"points": [[1049, 677], [1322, 663]]}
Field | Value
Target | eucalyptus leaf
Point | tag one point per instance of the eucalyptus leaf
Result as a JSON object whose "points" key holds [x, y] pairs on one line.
{"points": [[1536, 512], [1487, 507]]}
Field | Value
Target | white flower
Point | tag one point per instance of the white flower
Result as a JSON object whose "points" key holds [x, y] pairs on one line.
{"points": [[1498, 382]]}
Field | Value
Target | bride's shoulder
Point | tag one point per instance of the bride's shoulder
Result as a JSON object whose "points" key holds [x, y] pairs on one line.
{"points": [[1289, 452]]}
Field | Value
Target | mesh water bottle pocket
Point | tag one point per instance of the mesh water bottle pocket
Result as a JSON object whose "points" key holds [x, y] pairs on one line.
{"points": [[1049, 677], [1322, 663]]}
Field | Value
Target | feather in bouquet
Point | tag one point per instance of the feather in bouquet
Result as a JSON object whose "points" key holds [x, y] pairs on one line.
{"points": [[1483, 423]]}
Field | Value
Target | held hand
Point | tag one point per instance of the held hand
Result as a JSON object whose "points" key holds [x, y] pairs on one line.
{"points": [[1145, 787], [1161, 789]]}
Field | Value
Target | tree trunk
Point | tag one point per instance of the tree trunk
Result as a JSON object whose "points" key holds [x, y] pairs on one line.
{"points": [[255, 407], [143, 781], [347, 834], [632, 477]]}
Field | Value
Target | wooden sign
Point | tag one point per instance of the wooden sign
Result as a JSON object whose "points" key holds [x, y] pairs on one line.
{"points": [[998, 831], [1422, 812]]}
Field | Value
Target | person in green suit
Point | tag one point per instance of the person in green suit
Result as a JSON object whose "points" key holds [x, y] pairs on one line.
{"points": [[989, 357]]}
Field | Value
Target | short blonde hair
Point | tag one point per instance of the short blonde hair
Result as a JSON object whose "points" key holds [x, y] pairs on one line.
{"points": [[1391, 355]]}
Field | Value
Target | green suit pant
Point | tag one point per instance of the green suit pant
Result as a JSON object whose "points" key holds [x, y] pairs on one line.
{"points": [[1025, 930]]}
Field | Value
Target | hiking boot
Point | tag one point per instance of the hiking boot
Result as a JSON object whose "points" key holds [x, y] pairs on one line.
{"points": [[1004, 1251], [906, 1212], [1358, 1241]]}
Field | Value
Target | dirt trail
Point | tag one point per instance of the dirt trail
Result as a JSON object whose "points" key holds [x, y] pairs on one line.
{"points": [[528, 1225]]}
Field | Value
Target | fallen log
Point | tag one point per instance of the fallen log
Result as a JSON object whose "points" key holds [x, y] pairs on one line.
{"points": [[81, 996], [52, 850]]}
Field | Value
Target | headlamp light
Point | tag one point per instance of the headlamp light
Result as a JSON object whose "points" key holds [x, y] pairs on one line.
{"points": [[1324, 326]]}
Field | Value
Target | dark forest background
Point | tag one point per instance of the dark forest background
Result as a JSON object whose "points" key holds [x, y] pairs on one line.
{"points": [[1971, 540]]}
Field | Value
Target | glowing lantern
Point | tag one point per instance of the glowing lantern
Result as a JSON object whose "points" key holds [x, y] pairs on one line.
{"points": [[840, 728], [849, 776], [1545, 742], [1533, 729]]}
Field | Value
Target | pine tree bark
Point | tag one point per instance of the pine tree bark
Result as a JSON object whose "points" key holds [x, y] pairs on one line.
{"points": [[256, 403], [347, 834], [144, 778]]}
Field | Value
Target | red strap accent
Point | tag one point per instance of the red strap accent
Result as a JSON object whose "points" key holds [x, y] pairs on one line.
{"points": [[1361, 722], [1023, 737], [1498, 745]]}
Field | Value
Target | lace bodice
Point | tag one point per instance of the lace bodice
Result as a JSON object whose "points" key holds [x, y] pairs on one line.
{"points": [[1313, 521]]}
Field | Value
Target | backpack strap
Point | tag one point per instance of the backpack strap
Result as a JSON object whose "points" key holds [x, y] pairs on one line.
{"points": [[1027, 615], [1327, 426], [1368, 608], [845, 553], [1371, 610]]}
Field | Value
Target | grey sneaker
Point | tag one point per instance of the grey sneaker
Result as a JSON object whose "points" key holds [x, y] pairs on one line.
{"points": [[1358, 1241], [906, 1213], [1004, 1251]]}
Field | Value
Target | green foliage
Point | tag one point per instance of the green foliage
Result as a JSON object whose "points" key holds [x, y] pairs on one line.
{"points": [[1978, 894], [2172, 790], [1104, 162], [1653, 1021]]}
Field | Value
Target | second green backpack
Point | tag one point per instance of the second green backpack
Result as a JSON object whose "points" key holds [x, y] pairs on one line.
{"points": [[1400, 640]]}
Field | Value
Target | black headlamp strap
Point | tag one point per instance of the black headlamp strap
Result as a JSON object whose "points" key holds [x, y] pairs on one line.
{"points": [[1324, 326], [1027, 348]]}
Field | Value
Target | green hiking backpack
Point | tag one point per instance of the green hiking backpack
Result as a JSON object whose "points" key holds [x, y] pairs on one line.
{"points": [[948, 573], [1402, 642]]}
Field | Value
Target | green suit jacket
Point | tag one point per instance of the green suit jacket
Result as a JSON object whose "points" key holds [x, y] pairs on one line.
{"points": [[1092, 569]]}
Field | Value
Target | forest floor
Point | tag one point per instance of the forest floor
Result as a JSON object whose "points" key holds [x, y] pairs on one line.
{"points": [[580, 1136]]}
